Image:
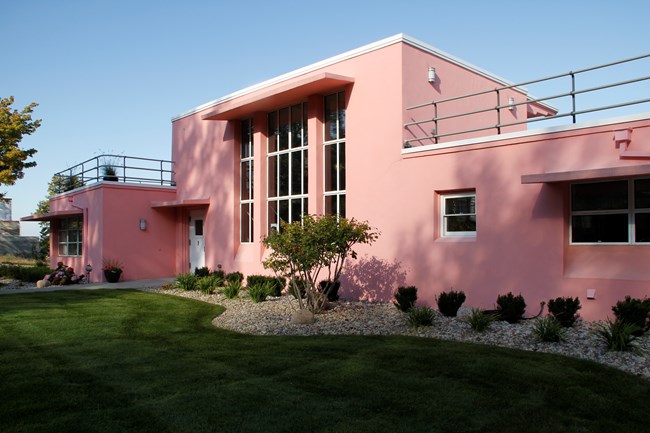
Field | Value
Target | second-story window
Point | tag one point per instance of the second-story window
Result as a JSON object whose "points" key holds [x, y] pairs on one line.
{"points": [[246, 182], [287, 165], [334, 157]]}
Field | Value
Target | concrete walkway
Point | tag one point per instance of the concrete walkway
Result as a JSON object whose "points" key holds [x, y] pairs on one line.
{"points": [[134, 284]]}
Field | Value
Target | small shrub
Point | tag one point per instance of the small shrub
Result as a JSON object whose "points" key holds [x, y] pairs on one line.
{"points": [[479, 320], [231, 289], [201, 272], [564, 310], [330, 289], [219, 273], [617, 336], [277, 283], [450, 302], [511, 308], [549, 329], [234, 277], [207, 285], [187, 281], [259, 291], [635, 312], [406, 297], [420, 316]]}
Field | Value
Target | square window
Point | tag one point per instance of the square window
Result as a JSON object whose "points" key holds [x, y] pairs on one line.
{"points": [[458, 214]]}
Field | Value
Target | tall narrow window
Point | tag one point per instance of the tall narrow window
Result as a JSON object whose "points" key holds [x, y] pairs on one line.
{"points": [[287, 165], [70, 236], [334, 157], [246, 182]]}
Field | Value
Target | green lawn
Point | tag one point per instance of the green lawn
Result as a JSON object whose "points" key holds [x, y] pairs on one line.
{"points": [[119, 361]]}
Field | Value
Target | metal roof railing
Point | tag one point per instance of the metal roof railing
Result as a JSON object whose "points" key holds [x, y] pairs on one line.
{"points": [[573, 111], [115, 168]]}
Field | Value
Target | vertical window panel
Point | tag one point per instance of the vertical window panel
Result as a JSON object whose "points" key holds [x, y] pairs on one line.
{"points": [[296, 173], [273, 176], [296, 126], [274, 223], [341, 167], [642, 194], [330, 168], [334, 181], [283, 168], [246, 182], [341, 114], [283, 128], [642, 227], [283, 210], [273, 132], [331, 115]]}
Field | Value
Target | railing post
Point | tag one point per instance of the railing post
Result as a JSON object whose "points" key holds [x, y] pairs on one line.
{"points": [[435, 122], [498, 111], [573, 96]]}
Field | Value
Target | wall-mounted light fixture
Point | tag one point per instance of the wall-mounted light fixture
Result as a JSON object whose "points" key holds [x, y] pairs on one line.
{"points": [[432, 74], [511, 103], [143, 224], [89, 269]]}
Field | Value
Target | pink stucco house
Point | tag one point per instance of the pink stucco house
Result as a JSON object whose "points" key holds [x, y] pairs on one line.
{"points": [[439, 155]]}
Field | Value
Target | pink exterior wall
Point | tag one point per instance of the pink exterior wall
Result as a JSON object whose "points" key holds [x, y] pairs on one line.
{"points": [[522, 240], [111, 213]]}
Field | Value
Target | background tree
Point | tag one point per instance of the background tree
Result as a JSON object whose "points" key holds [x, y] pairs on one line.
{"points": [[306, 251], [14, 125], [42, 207]]}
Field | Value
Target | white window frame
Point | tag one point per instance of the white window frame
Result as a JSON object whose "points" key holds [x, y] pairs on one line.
{"points": [[63, 236], [249, 201], [443, 216], [631, 212], [339, 142]]}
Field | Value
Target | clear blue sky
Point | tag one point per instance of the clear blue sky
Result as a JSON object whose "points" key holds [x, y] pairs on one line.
{"points": [[109, 75]]}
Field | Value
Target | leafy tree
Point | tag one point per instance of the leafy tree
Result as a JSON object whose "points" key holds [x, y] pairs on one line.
{"points": [[42, 207], [14, 125], [320, 244]]}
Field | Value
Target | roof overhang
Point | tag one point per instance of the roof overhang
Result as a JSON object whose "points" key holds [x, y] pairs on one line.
{"points": [[194, 202], [49, 216], [278, 96], [589, 174]]}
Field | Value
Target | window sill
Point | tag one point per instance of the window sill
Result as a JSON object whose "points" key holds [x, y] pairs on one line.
{"points": [[456, 239]]}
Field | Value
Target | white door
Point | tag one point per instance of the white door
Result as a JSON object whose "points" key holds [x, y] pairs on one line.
{"points": [[197, 240]]}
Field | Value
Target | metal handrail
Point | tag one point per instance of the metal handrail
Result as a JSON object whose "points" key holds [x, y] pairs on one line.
{"points": [[128, 169], [496, 108]]}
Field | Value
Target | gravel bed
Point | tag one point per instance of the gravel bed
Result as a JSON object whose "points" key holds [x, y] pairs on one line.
{"points": [[272, 317]]}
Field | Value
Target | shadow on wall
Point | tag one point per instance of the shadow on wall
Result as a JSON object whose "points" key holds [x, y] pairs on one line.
{"points": [[372, 279]]}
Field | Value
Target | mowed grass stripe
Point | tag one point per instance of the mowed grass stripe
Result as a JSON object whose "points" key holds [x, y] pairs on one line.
{"points": [[107, 361]]}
